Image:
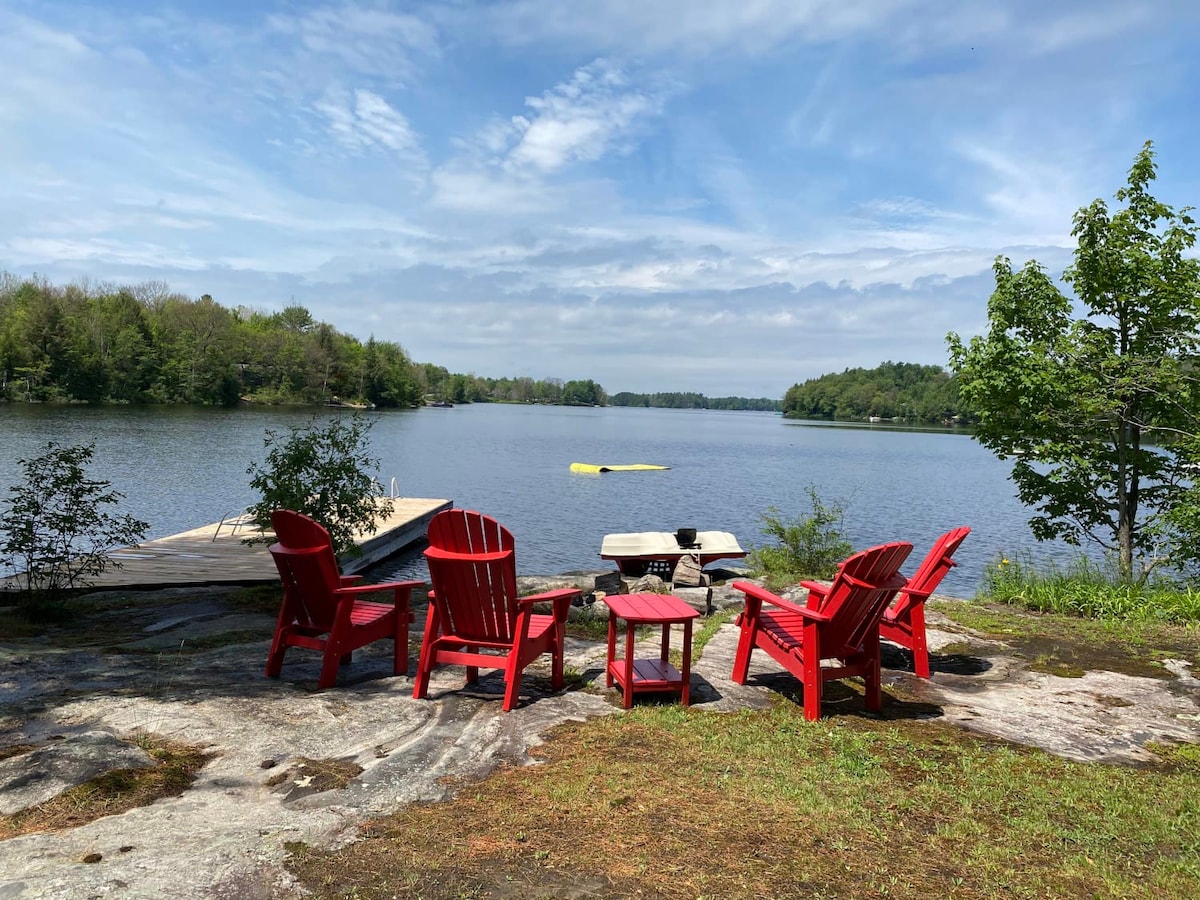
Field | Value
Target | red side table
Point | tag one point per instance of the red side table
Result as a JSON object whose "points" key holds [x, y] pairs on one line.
{"points": [[638, 675]]}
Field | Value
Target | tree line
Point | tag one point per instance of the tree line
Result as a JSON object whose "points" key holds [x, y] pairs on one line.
{"points": [[892, 390], [87, 343], [690, 400], [84, 343], [147, 344]]}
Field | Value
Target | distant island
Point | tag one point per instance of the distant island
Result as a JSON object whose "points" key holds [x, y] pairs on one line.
{"points": [[893, 391]]}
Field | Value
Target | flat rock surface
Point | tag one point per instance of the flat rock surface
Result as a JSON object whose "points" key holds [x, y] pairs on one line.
{"points": [[155, 663]]}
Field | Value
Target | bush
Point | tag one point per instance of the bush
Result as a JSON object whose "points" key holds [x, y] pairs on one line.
{"points": [[324, 473], [55, 531], [808, 547]]}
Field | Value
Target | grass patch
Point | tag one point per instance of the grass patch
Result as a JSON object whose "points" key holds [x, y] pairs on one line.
{"points": [[588, 625], [665, 801], [1068, 645], [1088, 589], [114, 792], [263, 598], [15, 626]]}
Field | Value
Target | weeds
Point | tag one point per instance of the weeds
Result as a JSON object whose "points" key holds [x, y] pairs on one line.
{"points": [[1088, 589]]}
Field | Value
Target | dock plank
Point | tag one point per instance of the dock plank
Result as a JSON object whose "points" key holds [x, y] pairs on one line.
{"points": [[215, 554]]}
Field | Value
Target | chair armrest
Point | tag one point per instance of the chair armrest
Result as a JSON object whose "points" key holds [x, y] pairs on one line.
{"points": [[917, 595], [763, 595], [347, 580], [816, 590], [397, 587], [551, 595], [561, 598], [907, 599]]}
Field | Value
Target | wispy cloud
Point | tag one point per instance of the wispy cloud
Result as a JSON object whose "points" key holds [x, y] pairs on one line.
{"points": [[580, 120], [362, 120], [548, 188]]}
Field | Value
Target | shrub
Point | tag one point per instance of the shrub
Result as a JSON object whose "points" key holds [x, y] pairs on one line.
{"points": [[56, 531], [810, 546], [323, 472]]}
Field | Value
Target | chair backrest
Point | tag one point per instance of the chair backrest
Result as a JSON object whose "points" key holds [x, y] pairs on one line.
{"points": [[467, 531], [932, 569], [473, 572], [307, 567], [862, 589]]}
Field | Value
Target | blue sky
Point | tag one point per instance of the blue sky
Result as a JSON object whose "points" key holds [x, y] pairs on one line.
{"points": [[727, 197]]}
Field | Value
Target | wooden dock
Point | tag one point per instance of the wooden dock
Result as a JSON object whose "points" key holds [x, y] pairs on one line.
{"points": [[215, 554]]}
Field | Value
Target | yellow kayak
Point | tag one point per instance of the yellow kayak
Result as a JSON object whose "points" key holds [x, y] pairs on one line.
{"points": [[590, 469]]}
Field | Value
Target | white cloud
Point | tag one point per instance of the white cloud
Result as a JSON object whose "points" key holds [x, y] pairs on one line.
{"points": [[579, 120]]}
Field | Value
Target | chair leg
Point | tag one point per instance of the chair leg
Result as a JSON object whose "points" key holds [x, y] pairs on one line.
{"points": [[279, 642], [557, 680], [741, 661], [872, 677], [920, 646], [329, 667], [400, 652], [810, 664], [275, 657], [428, 656], [518, 658], [512, 679]]}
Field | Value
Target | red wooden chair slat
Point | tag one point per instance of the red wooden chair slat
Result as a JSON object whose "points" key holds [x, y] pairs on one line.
{"points": [[904, 620], [475, 618], [324, 610], [840, 622]]}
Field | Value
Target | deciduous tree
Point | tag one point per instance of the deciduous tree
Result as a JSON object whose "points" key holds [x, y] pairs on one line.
{"points": [[324, 472], [1087, 396]]}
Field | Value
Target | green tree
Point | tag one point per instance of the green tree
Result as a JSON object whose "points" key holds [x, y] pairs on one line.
{"points": [[323, 472], [1076, 399], [56, 531]]}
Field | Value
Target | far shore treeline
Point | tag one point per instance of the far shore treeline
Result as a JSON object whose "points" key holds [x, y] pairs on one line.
{"points": [[89, 343], [893, 390]]}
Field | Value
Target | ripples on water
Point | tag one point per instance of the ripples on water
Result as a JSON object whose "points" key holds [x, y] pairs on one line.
{"points": [[182, 468]]}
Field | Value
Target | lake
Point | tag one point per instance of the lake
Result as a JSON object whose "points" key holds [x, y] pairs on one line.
{"points": [[182, 467]]}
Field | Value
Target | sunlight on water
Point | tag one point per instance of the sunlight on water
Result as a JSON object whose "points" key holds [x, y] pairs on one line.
{"points": [[182, 468]]}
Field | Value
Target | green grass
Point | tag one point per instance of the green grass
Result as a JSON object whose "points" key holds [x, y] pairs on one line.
{"points": [[1085, 588], [667, 801]]}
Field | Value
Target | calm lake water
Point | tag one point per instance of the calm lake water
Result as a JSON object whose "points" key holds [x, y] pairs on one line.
{"points": [[182, 468]]}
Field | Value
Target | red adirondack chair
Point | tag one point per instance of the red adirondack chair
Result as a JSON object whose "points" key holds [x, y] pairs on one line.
{"points": [[475, 617], [324, 610], [904, 621], [840, 622]]}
